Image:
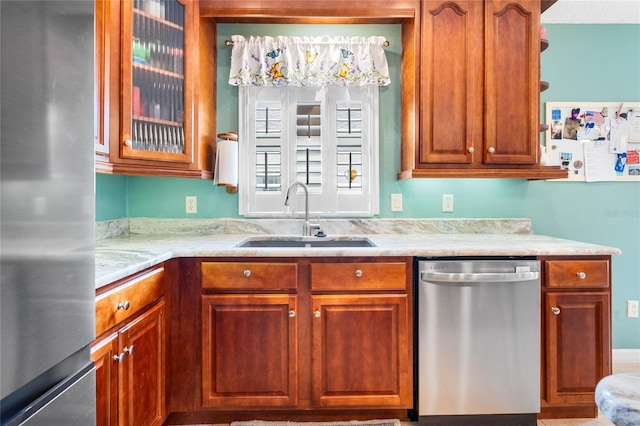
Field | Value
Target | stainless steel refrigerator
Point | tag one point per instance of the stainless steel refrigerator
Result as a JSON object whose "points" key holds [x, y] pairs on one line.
{"points": [[47, 220]]}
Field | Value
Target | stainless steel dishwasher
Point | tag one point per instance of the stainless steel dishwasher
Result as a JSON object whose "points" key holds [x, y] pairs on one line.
{"points": [[478, 341]]}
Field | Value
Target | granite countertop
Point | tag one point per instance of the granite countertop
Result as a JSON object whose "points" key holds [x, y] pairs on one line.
{"points": [[618, 397], [148, 242]]}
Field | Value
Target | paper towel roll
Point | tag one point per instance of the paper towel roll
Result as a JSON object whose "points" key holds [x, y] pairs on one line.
{"points": [[226, 167]]}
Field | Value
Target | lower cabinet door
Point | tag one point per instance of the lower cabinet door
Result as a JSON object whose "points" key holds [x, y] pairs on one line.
{"points": [[249, 350], [142, 375], [361, 351], [104, 354], [577, 345]]}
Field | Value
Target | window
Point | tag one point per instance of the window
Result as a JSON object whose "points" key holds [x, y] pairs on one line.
{"points": [[325, 137]]}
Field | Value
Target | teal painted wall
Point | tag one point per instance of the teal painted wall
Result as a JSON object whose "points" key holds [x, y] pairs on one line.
{"points": [[578, 64]]}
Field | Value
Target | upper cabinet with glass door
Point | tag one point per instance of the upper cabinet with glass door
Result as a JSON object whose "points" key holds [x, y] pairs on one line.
{"points": [[157, 132]]}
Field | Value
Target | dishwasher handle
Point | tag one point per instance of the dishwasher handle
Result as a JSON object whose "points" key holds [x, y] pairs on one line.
{"points": [[447, 277]]}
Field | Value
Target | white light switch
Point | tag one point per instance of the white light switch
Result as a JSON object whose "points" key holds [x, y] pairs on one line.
{"points": [[396, 202], [447, 203]]}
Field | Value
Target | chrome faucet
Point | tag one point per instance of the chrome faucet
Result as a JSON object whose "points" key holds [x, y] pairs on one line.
{"points": [[307, 228]]}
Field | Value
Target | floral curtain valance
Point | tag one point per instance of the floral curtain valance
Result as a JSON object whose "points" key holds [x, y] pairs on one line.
{"points": [[308, 61]]}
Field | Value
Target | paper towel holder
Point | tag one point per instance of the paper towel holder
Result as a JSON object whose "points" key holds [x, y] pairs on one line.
{"points": [[227, 136]]}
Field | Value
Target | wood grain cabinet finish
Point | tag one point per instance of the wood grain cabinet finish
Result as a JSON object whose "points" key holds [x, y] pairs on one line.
{"points": [[128, 299], [479, 91], [131, 139], [583, 273], [142, 375], [335, 333], [104, 353], [354, 276], [130, 352], [249, 348], [576, 335], [249, 275], [361, 350]]}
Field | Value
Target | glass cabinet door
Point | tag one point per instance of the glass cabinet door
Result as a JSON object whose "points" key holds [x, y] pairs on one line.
{"points": [[153, 81]]}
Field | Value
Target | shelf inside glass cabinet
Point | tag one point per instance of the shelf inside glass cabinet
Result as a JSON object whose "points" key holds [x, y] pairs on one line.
{"points": [[157, 99]]}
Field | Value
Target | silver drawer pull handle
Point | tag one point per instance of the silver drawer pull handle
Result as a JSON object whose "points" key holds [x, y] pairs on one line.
{"points": [[471, 150], [491, 150], [581, 275], [292, 313], [128, 350], [358, 273], [555, 310], [316, 314], [124, 305], [247, 273]]}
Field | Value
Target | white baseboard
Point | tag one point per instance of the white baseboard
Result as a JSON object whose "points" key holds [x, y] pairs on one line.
{"points": [[626, 355]]}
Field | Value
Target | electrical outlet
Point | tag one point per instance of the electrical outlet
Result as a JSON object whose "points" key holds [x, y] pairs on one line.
{"points": [[632, 308], [191, 204], [396, 202], [447, 203]]}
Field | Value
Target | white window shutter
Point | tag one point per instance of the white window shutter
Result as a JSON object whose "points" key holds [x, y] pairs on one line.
{"points": [[325, 137]]}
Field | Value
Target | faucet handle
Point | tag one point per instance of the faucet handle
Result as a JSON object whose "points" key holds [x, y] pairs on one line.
{"points": [[314, 227]]}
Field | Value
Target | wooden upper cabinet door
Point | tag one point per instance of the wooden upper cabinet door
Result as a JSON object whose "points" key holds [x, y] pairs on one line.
{"points": [[578, 345], [142, 372], [361, 351], [451, 82], [249, 350], [512, 81]]}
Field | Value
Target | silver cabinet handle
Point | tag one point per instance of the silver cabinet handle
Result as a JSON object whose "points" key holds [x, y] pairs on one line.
{"points": [[491, 150], [358, 273], [128, 143], [292, 313], [124, 305], [124, 353], [471, 150], [316, 314], [581, 275], [555, 310], [247, 273]]}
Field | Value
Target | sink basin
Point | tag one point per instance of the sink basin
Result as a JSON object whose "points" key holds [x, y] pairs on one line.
{"points": [[306, 242]]}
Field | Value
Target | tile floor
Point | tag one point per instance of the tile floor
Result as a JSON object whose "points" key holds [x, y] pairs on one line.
{"points": [[599, 421]]}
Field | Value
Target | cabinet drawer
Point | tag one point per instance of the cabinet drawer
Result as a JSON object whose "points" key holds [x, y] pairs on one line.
{"points": [[128, 299], [359, 276], [577, 273], [249, 275]]}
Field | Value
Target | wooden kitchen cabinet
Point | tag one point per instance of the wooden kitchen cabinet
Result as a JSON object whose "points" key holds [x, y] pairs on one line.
{"points": [[249, 350], [479, 86], [361, 337], [249, 341], [576, 335], [149, 91], [360, 351], [307, 334], [130, 352]]}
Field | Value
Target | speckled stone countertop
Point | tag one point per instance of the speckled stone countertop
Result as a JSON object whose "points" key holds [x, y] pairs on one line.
{"points": [[129, 246]]}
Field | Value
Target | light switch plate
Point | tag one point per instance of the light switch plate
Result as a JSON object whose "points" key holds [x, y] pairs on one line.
{"points": [[396, 202]]}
